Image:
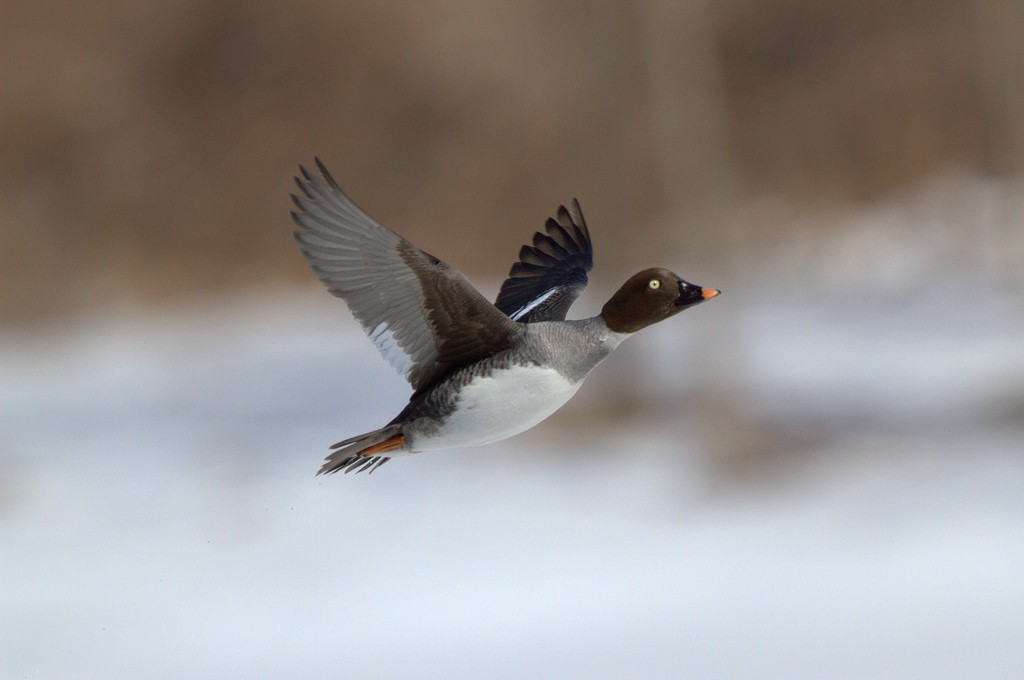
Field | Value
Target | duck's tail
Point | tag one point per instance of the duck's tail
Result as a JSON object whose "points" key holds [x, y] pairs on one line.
{"points": [[363, 452]]}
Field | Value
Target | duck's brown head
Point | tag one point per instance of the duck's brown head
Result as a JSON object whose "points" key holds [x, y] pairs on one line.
{"points": [[649, 297]]}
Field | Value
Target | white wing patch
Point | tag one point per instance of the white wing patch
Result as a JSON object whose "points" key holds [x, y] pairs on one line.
{"points": [[531, 305], [385, 341]]}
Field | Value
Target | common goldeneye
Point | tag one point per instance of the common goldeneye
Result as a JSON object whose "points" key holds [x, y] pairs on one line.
{"points": [[481, 372]]}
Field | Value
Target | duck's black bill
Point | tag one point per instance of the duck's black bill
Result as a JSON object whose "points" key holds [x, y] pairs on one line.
{"points": [[690, 294]]}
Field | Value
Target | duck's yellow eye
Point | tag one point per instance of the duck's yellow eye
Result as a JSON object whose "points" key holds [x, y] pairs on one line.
{"points": [[654, 284]]}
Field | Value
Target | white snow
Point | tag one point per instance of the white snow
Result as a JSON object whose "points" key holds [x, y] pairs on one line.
{"points": [[159, 516]]}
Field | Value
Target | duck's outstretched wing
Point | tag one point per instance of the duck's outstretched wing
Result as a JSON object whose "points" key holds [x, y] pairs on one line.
{"points": [[423, 315], [551, 273]]}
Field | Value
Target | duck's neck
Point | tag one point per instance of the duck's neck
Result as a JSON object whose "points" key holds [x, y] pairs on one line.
{"points": [[612, 339]]}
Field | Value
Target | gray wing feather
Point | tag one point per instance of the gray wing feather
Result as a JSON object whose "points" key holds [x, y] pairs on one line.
{"points": [[423, 315]]}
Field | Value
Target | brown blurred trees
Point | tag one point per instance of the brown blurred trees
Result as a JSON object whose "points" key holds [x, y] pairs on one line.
{"points": [[147, 147]]}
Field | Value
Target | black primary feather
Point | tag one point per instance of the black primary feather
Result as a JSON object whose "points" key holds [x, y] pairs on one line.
{"points": [[551, 273]]}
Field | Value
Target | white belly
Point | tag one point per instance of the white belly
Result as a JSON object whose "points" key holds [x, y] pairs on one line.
{"points": [[499, 406]]}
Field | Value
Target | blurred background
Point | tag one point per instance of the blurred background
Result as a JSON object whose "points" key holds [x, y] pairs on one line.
{"points": [[820, 474]]}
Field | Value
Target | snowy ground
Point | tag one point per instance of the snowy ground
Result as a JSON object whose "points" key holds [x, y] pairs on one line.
{"points": [[159, 517]]}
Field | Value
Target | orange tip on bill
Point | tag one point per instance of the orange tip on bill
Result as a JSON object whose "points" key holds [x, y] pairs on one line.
{"points": [[708, 293]]}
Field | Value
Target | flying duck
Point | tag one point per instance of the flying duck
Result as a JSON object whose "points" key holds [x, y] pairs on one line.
{"points": [[480, 372]]}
